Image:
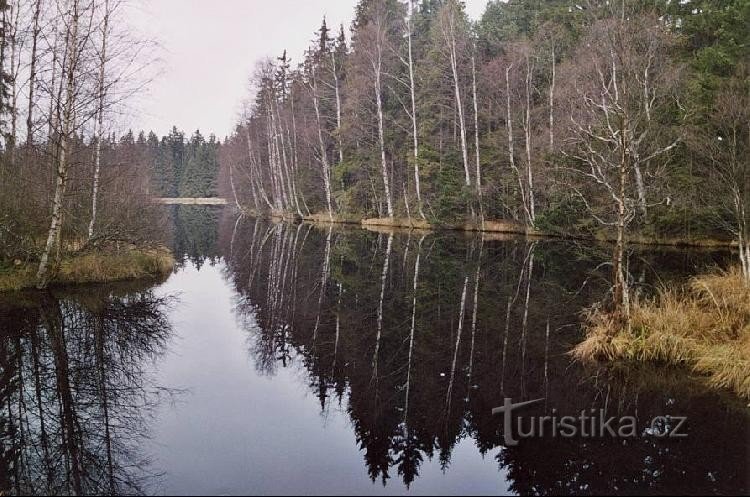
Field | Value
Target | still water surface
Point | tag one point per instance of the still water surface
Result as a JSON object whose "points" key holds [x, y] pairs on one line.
{"points": [[315, 360]]}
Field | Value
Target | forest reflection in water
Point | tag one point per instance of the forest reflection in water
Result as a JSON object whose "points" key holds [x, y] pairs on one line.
{"points": [[420, 335], [76, 392], [414, 337]]}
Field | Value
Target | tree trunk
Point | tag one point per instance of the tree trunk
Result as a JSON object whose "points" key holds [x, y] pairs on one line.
{"points": [[55, 229], [15, 65], [527, 129], [99, 120], [381, 136], [451, 39], [415, 128], [552, 101], [511, 145], [641, 187], [621, 290], [32, 74], [338, 107], [323, 152], [476, 137]]}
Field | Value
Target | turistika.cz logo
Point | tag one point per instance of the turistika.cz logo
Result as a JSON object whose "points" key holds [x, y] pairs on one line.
{"points": [[591, 423]]}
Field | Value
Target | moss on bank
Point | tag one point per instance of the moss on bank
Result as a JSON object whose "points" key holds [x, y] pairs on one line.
{"points": [[704, 326], [93, 267]]}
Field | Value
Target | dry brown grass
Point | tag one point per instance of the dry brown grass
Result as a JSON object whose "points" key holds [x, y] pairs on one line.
{"points": [[95, 267], [704, 326], [397, 222]]}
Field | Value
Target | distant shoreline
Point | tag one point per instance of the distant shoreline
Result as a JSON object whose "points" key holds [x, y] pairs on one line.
{"points": [[191, 201], [489, 226]]}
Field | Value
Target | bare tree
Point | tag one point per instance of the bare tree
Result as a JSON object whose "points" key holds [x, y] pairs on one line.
{"points": [[372, 40], [100, 114], [613, 132], [323, 153], [450, 25], [476, 134], [65, 108], [413, 98], [35, 31], [725, 144]]}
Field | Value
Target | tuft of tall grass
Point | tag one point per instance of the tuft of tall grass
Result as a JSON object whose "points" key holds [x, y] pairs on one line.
{"points": [[95, 267], [704, 326]]}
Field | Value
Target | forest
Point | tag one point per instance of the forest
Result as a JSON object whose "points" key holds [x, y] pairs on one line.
{"points": [[73, 185], [627, 120], [68, 186]]}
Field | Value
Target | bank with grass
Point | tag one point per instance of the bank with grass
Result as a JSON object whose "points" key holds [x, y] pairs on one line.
{"points": [[101, 265], [702, 327]]}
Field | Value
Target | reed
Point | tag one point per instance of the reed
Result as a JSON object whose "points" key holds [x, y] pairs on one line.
{"points": [[703, 326], [94, 267]]}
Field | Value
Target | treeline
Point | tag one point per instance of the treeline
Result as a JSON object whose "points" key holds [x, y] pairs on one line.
{"points": [[180, 167], [588, 118], [67, 71]]}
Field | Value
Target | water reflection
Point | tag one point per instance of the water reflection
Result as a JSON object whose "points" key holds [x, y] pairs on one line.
{"points": [[419, 336], [194, 234], [75, 390], [414, 337]]}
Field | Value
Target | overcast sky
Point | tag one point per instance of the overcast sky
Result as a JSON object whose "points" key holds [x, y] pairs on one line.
{"points": [[208, 50]]}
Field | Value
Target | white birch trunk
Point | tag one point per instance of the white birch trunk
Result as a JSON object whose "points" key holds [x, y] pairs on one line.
{"points": [[62, 161], [476, 136], [323, 153], [381, 132], [415, 128], [511, 144], [99, 120], [451, 40], [527, 129], [552, 101], [32, 74]]}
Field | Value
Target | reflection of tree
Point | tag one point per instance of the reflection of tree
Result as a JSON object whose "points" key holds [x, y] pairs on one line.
{"points": [[711, 461], [76, 391], [195, 233], [421, 341]]}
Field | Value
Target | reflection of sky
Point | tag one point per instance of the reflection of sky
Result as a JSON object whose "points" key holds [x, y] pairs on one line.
{"points": [[238, 431]]}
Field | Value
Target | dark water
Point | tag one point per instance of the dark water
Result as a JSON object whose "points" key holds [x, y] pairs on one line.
{"points": [[297, 359]]}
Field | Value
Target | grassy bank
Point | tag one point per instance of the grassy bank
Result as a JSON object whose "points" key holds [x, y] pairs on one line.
{"points": [[704, 326], [130, 263]]}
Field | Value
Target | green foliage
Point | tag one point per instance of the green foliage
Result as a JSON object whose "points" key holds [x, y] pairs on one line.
{"points": [[566, 215], [180, 169], [452, 198]]}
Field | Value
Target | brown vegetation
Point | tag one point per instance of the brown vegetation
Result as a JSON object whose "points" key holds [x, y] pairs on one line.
{"points": [[704, 326], [130, 263]]}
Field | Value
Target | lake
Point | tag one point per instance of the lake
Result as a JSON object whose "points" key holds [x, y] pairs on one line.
{"points": [[282, 358]]}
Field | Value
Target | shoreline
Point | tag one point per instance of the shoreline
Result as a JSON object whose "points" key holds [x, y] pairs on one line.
{"points": [[490, 227], [97, 267], [700, 327]]}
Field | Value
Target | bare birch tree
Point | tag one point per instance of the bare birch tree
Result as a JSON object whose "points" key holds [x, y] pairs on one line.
{"points": [[614, 133], [373, 41], [450, 19], [99, 131], [66, 110]]}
